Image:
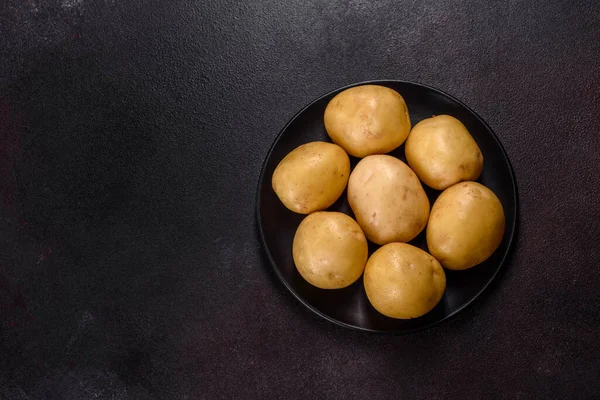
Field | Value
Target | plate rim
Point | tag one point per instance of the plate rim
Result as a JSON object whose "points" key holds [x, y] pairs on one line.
{"points": [[505, 256]]}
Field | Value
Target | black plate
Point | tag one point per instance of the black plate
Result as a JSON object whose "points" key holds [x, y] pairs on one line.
{"points": [[350, 307]]}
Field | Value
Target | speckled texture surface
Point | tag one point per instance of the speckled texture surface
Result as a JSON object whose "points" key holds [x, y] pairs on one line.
{"points": [[132, 135]]}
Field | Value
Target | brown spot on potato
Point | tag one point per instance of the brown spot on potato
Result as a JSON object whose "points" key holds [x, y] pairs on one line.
{"points": [[443, 237], [367, 132], [475, 193]]}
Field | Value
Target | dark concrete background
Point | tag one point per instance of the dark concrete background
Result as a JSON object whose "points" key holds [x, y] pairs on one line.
{"points": [[132, 135]]}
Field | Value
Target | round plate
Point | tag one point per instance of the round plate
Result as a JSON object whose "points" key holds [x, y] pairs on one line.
{"points": [[350, 307]]}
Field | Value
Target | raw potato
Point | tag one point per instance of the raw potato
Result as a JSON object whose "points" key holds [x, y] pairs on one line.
{"points": [[388, 200], [442, 152], [330, 250], [403, 281], [312, 177], [466, 226], [367, 119]]}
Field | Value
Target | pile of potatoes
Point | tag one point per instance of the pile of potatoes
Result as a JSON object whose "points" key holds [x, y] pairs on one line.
{"points": [[465, 225]]}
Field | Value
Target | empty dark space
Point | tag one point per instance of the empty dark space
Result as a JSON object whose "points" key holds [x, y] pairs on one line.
{"points": [[132, 137]]}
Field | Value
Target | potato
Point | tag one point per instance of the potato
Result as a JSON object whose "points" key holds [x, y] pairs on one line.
{"points": [[466, 225], [403, 281], [312, 177], [442, 152], [388, 200], [367, 119], [330, 250]]}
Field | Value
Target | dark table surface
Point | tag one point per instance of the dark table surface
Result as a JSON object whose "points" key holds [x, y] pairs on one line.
{"points": [[132, 135]]}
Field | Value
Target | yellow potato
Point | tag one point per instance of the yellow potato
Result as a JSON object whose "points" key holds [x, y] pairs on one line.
{"points": [[388, 200], [442, 152], [312, 177], [367, 119], [466, 225], [330, 250], [403, 281]]}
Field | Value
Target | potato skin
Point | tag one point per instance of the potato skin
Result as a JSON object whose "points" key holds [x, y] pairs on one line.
{"points": [[311, 177], [466, 226], [403, 281], [442, 152], [367, 119], [330, 250], [388, 200]]}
